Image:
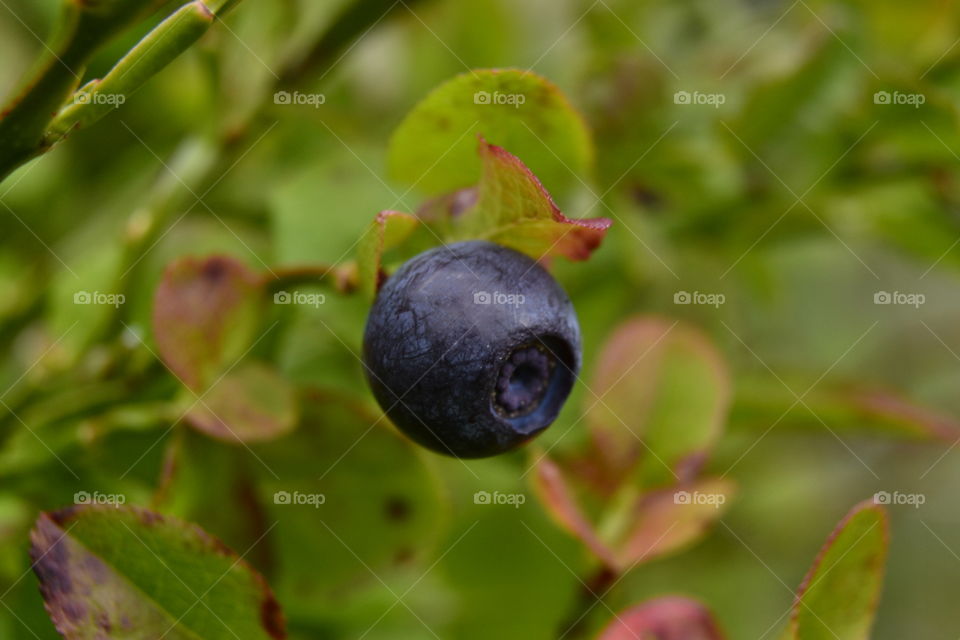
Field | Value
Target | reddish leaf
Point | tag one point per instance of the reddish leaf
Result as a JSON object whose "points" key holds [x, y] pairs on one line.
{"points": [[666, 618], [513, 209], [667, 520], [557, 496], [204, 315]]}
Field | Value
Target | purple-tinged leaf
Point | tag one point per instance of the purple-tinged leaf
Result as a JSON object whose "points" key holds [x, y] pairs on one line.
{"points": [[125, 572]]}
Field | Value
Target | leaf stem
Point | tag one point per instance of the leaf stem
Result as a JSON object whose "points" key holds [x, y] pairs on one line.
{"points": [[343, 278], [49, 109]]}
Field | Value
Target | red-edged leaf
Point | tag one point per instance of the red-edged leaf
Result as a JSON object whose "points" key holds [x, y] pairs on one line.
{"points": [[839, 595], [204, 316], [251, 403], [668, 520], [125, 572], [665, 618], [513, 209], [661, 382], [558, 498]]}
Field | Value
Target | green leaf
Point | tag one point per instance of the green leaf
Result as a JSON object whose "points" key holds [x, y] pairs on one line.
{"points": [[664, 394], [251, 403], [432, 148], [204, 316], [838, 597], [388, 229], [513, 209], [666, 618], [128, 572], [353, 498]]}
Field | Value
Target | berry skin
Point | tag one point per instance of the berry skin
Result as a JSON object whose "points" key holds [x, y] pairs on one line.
{"points": [[471, 349]]}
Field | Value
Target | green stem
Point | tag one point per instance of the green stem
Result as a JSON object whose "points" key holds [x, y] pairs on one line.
{"points": [[48, 110], [23, 121], [155, 51], [343, 278]]}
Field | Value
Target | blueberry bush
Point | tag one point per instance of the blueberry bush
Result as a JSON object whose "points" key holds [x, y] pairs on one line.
{"points": [[408, 319]]}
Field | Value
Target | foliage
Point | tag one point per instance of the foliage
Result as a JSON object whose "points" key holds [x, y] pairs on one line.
{"points": [[752, 206]]}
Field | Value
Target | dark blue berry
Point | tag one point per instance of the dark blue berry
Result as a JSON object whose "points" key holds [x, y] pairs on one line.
{"points": [[471, 349]]}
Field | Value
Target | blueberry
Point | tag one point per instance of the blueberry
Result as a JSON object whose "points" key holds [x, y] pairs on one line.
{"points": [[471, 349]]}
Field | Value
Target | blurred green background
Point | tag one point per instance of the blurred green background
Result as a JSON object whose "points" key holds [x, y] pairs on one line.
{"points": [[798, 158]]}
